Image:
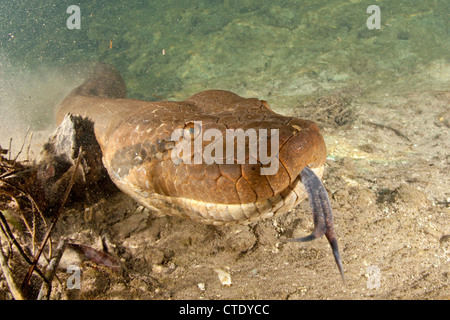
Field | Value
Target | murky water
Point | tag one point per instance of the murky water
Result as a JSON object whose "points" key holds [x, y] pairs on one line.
{"points": [[273, 49]]}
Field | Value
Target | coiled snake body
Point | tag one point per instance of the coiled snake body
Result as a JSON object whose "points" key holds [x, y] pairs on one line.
{"points": [[136, 141]]}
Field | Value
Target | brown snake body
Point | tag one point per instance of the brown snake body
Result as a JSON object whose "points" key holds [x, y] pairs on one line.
{"points": [[136, 141]]}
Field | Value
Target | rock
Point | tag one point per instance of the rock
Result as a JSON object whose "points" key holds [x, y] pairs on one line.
{"points": [[241, 240], [134, 223]]}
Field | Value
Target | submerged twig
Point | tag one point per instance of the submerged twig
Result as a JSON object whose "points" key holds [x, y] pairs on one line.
{"points": [[54, 221], [50, 271], [383, 126], [33, 205], [23, 144], [10, 236], [10, 146], [15, 291], [29, 146]]}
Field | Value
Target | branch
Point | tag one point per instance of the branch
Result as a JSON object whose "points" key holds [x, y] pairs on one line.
{"points": [[15, 291], [50, 271]]}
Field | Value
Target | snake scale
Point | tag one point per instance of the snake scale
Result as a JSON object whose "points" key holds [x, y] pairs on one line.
{"points": [[136, 141]]}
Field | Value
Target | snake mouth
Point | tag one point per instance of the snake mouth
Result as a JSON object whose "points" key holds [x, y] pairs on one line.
{"points": [[213, 213]]}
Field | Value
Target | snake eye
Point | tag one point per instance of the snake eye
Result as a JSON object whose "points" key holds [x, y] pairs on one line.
{"points": [[192, 130]]}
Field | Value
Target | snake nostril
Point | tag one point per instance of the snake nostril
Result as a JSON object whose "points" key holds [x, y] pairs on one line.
{"points": [[165, 145]]}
